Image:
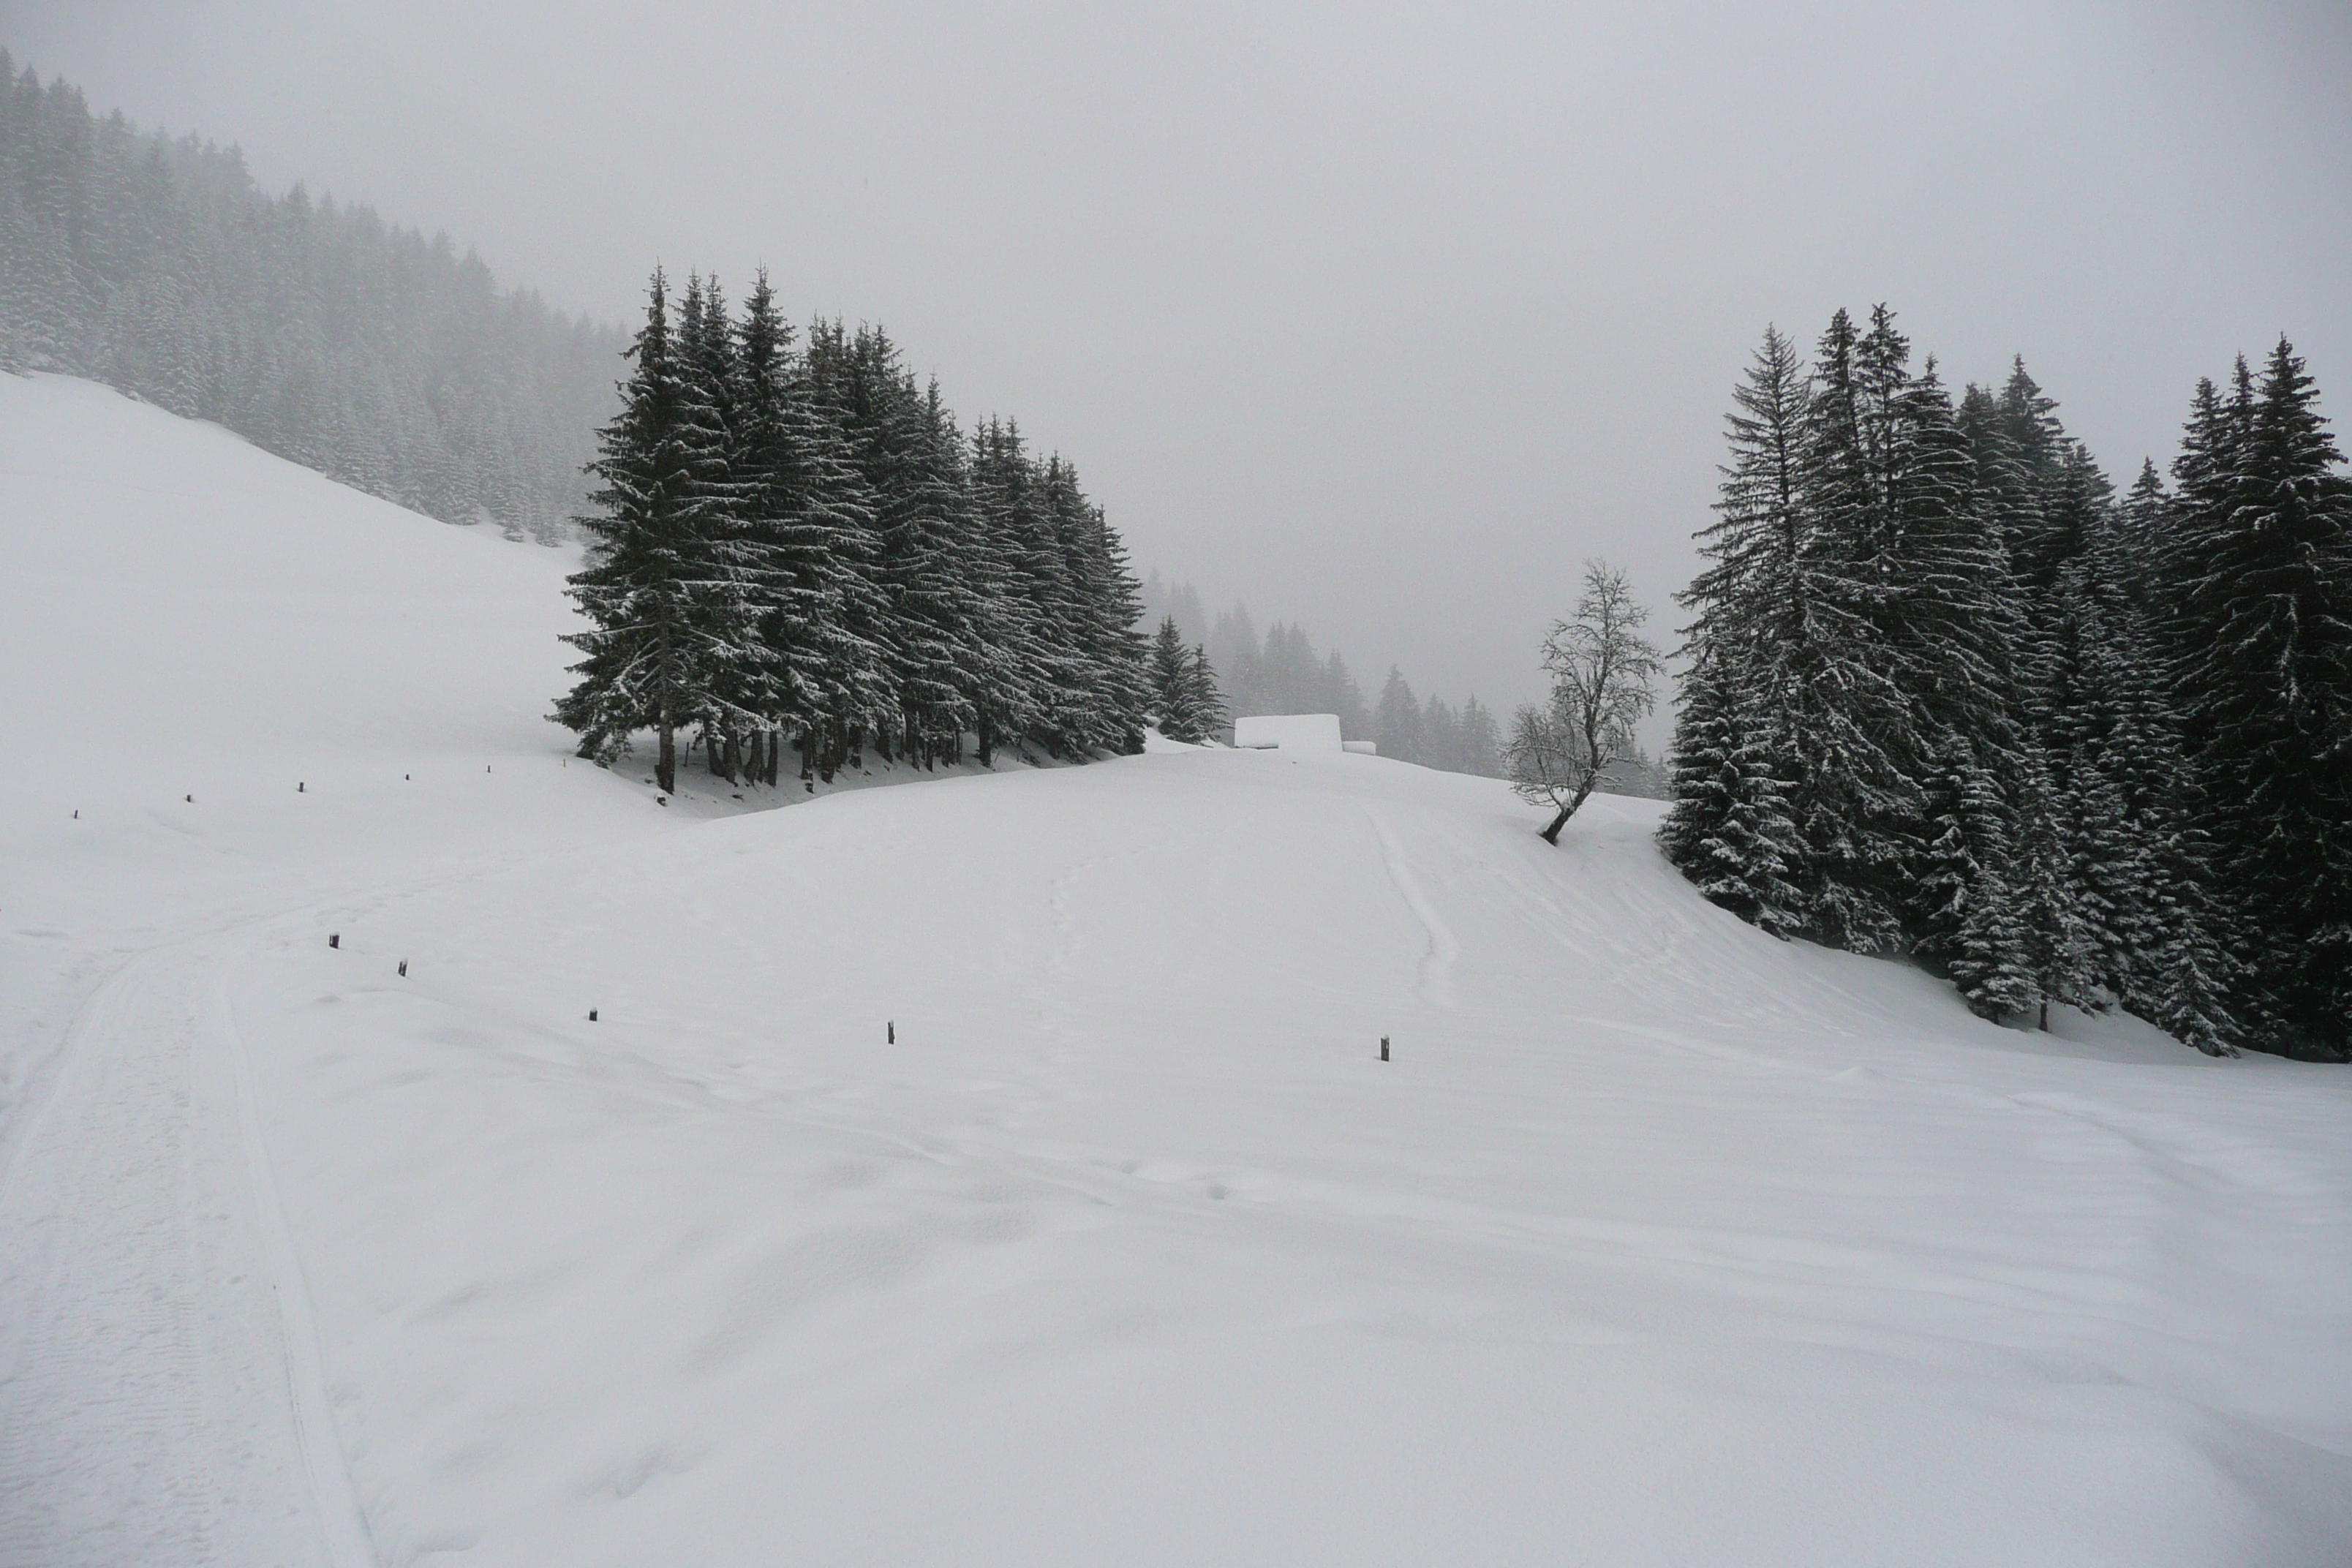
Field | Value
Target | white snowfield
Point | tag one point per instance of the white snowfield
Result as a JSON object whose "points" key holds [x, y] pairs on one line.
{"points": [[1657, 1241]]}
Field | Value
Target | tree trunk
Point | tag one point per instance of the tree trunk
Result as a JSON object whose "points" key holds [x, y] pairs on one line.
{"points": [[1576, 802], [666, 767]]}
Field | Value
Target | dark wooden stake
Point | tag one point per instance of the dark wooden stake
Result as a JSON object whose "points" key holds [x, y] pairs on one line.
{"points": [[1384, 1047], [335, 939], [890, 1033], [403, 969], [592, 1015]]}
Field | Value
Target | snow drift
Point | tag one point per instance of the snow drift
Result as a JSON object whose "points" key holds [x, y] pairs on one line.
{"points": [[1657, 1240]]}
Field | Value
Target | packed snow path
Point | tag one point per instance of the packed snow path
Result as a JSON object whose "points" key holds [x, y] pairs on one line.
{"points": [[1657, 1241]]}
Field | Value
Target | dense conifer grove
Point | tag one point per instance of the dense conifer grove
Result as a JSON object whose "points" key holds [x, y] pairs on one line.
{"points": [[792, 544], [1947, 694], [369, 352]]}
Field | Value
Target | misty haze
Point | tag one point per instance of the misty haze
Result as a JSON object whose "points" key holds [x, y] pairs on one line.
{"points": [[1046, 784]]}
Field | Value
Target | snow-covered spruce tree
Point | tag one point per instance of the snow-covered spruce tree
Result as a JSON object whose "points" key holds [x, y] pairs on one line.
{"points": [[1173, 684], [1749, 624], [1604, 681], [1953, 619], [1482, 741], [2018, 443], [1990, 965], [1969, 923], [1103, 605], [856, 691], [821, 667], [1854, 734], [1290, 675], [2119, 760], [772, 685], [1396, 719], [2143, 525], [1440, 733], [2189, 975], [907, 454], [721, 505], [1729, 829], [1234, 647], [2045, 899], [1018, 568], [1203, 697], [2259, 573], [2090, 698], [987, 676], [1341, 695], [660, 610]]}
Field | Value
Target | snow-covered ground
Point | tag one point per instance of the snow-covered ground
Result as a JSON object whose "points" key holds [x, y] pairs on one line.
{"points": [[1657, 1241]]}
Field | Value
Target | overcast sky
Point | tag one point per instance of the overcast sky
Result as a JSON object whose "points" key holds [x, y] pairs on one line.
{"points": [[1381, 317]]}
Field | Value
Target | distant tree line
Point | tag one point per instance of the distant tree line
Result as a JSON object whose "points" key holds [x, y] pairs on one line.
{"points": [[792, 543], [1283, 673], [1945, 694], [371, 353]]}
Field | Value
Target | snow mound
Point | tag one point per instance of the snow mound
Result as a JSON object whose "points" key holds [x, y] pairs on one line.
{"points": [[1001, 1168]]}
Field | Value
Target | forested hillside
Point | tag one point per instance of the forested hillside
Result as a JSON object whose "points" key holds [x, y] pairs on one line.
{"points": [[1948, 695], [367, 352]]}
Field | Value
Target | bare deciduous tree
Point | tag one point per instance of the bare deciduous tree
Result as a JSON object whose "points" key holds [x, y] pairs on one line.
{"points": [[1603, 675]]}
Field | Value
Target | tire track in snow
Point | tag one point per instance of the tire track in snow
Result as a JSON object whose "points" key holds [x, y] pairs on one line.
{"points": [[1434, 983]]}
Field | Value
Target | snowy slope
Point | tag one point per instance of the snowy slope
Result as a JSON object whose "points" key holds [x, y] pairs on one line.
{"points": [[1657, 1241]]}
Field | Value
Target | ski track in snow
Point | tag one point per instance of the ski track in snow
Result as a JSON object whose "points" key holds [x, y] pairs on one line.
{"points": [[134, 1418], [1434, 983], [327, 1471]]}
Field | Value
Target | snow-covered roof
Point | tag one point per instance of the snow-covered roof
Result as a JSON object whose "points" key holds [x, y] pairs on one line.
{"points": [[1289, 731]]}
